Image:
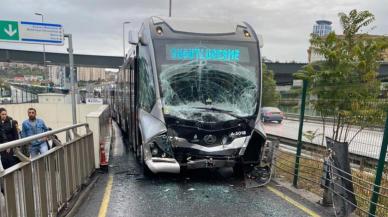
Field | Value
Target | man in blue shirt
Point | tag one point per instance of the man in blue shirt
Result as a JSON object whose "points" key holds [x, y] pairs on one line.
{"points": [[33, 126]]}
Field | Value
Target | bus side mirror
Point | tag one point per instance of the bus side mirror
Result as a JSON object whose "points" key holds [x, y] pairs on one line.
{"points": [[142, 40], [261, 42], [133, 38]]}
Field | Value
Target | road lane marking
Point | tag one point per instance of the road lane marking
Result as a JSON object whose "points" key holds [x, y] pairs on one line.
{"points": [[105, 201], [293, 202]]}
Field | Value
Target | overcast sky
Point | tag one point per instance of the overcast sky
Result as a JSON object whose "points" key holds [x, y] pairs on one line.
{"points": [[96, 25]]}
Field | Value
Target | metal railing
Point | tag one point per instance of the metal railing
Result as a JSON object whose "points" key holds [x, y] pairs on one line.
{"points": [[356, 122], [14, 102], [310, 178], [44, 185], [357, 160], [318, 119]]}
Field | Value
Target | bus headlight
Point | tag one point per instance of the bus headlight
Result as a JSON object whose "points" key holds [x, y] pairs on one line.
{"points": [[159, 30], [154, 151], [160, 146], [247, 34]]}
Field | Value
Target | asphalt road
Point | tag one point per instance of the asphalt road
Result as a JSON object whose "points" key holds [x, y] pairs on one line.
{"points": [[366, 143], [123, 191]]}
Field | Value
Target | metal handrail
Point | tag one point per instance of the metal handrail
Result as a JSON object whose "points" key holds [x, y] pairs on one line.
{"points": [[27, 140], [46, 183]]}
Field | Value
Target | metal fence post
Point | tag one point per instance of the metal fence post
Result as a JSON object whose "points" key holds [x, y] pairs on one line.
{"points": [[299, 144], [379, 171]]}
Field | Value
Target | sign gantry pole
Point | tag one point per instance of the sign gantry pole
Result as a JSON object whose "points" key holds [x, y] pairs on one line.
{"points": [[72, 83]]}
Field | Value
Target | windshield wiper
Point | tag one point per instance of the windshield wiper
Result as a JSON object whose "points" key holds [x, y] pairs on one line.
{"points": [[223, 111]]}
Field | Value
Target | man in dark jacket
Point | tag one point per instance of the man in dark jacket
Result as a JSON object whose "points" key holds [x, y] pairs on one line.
{"points": [[8, 132]]}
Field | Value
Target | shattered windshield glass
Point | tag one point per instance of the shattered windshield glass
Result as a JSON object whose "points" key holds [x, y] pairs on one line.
{"points": [[207, 82]]}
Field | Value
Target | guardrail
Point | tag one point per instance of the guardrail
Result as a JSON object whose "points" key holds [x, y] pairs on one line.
{"points": [[44, 185], [318, 119], [346, 118], [18, 102], [311, 169], [295, 116], [357, 159]]}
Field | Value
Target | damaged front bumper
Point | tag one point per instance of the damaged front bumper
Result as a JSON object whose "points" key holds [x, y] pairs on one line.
{"points": [[209, 163], [163, 165], [160, 157], [171, 165], [186, 147]]}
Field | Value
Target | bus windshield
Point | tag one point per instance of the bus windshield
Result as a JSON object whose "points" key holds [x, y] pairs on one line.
{"points": [[208, 81]]}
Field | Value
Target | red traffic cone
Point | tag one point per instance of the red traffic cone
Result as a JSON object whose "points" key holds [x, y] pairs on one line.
{"points": [[103, 161]]}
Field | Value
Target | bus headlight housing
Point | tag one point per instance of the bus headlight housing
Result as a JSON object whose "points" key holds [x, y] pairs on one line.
{"points": [[159, 30], [160, 146]]}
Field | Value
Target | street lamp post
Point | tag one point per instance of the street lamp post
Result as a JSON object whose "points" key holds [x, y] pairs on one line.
{"points": [[169, 8], [126, 22], [44, 47], [72, 80]]}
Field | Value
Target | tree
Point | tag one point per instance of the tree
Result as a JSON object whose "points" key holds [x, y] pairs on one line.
{"points": [[270, 96], [3, 83], [345, 83]]}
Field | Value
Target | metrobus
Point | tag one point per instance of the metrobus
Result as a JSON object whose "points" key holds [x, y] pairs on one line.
{"points": [[188, 95]]}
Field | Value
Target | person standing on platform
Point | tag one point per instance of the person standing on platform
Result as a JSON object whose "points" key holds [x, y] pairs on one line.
{"points": [[33, 126], [8, 133]]}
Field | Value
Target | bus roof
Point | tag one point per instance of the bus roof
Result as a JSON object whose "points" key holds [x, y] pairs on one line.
{"points": [[201, 26]]}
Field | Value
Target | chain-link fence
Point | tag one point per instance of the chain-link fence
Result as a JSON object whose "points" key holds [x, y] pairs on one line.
{"points": [[355, 121]]}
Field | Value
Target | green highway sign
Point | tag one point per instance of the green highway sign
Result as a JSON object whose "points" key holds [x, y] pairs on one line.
{"points": [[9, 30]]}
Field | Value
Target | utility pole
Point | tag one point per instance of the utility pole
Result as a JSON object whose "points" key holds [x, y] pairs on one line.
{"points": [[72, 82], [169, 8], [44, 47]]}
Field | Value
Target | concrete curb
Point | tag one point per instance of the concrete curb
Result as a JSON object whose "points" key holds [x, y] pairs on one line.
{"points": [[73, 208], [312, 198]]}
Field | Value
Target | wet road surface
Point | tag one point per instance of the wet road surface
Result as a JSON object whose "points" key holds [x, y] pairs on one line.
{"points": [[195, 193]]}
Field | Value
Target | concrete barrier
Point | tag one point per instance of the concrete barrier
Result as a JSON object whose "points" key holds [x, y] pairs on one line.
{"points": [[100, 124], [54, 115], [59, 115]]}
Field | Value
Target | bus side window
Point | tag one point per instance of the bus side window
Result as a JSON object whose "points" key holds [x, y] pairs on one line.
{"points": [[146, 87]]}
